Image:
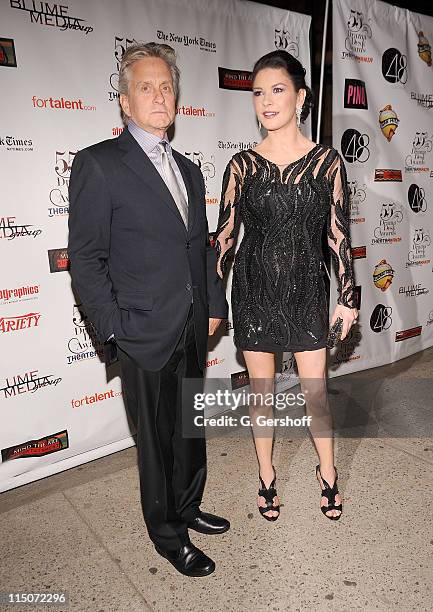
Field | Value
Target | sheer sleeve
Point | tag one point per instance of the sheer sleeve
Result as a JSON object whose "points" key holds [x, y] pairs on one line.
{"points": [[225, 235], [339, 234]]}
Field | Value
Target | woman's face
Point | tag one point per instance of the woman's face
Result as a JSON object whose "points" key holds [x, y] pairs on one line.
{"points": [[275, 98]]}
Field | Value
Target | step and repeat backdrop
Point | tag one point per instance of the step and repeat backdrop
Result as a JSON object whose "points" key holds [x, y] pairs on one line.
{"points": [[58, 74], [383, 127]]}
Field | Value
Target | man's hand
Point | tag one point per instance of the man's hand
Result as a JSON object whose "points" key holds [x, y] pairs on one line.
{"points": [[213, 325]]}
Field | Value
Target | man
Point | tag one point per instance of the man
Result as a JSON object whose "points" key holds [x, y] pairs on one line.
{"points": [[143, 267]]}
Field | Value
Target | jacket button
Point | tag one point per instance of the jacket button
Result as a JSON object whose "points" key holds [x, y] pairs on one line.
{"points": [[188, 287], [187, 245]]}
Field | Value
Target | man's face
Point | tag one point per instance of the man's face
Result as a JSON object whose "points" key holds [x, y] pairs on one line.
{"points": [[150, 102]]}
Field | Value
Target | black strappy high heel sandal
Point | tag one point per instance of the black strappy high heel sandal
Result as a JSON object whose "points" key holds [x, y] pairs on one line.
{"points": [[330, 493], [269, 494]]}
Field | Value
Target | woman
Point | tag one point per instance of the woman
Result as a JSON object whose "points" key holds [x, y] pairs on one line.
{"points": [[285, 191]]}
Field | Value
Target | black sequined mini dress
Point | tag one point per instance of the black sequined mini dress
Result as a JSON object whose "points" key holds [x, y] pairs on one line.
{"points": [[279, 297]]}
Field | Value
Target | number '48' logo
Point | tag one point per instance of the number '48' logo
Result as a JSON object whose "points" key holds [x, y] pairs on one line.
{"points": [[416, 198], [354, 146], [380, 319], [394, 66]]}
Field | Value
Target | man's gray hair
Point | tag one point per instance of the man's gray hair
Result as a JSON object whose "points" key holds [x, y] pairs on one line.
{"points": [[139, 51]]}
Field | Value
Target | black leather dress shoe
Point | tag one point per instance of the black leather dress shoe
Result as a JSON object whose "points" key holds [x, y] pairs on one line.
{"points": [[188, 560], [209, 523]]}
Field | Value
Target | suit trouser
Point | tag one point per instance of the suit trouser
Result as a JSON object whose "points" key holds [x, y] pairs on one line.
{"points": [[172, 468]]}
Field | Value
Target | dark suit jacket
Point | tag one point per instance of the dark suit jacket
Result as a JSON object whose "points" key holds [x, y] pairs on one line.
{"points": [[133, 263]]}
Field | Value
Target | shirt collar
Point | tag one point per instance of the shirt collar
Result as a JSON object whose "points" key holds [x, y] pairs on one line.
{"points": [[146, 140]]}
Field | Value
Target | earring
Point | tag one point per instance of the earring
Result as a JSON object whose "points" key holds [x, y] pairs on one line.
{"points": [[298, 116], [260, 127]]}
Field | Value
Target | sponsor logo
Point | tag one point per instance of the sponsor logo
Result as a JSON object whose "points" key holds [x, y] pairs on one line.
{"points": [[61, 103], [386, 175], [394, 66], [383, 274], [416, 198], [238, 146], [381, 319], [424, 48], [421, 145], [355, 94], [10, 230], [19, 294], [357, 195], [390, 216], [417, 255], [16, 144], [37, 448], [11, 324], [359, 252], [187, 41], [213, 362], [96, 397], [116, 131], [405, 334], [240, 379], [423, 99], [388, 122], [84, 344], [206, 165], [283, 39], [59, 197], [354, 146], [29, 382], [8, 58], [51, 14], [358, 33], [121, 43], [429, 318], [234, 79], [58, 260], [413, 290], [192, 111]]}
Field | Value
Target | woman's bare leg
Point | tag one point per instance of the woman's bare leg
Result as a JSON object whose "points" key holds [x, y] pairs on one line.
{"points": [[312, 374], [261, 371]]}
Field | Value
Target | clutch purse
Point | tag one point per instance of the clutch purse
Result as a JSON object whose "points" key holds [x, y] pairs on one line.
{"points": [[334, 333]]}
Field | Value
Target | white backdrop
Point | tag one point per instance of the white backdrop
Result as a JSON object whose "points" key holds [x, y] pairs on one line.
{"points": [[383, 126], [57, 407]]}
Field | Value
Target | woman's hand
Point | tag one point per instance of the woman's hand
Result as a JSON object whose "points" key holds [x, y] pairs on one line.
{"points": [[349, 316]]}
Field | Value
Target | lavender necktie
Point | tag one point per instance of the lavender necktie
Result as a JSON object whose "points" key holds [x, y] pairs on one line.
{"points": [[172, 183]]}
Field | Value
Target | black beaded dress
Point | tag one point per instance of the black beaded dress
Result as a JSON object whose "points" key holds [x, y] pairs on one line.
{"points": [[279, 298]]}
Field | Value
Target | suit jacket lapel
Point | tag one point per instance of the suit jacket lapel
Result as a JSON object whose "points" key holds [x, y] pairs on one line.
{"points": [[186, 175], [136, 159]]}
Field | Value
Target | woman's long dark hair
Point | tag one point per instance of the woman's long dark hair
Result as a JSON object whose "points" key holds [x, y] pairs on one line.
{"points": [[295, 70]]}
